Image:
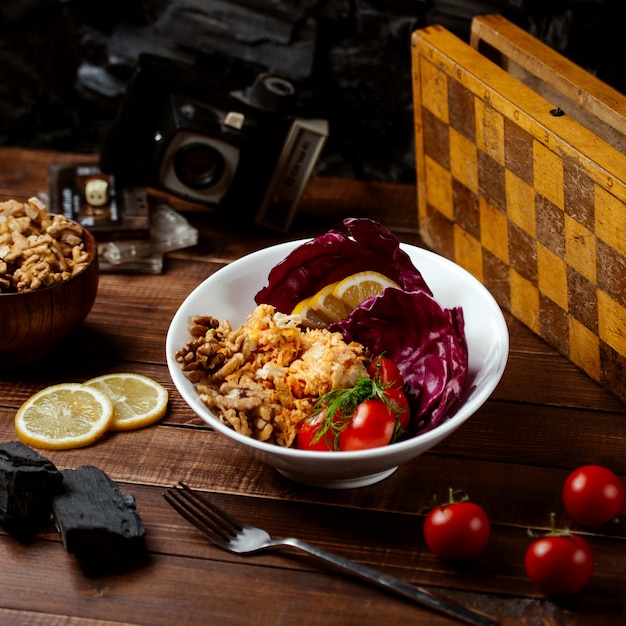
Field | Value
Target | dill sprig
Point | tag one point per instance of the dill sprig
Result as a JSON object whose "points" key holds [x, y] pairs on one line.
{"points": [[337, 407]]}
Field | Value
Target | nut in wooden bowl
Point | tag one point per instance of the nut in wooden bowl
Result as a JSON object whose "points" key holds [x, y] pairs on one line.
{"points": [[48, 280]]}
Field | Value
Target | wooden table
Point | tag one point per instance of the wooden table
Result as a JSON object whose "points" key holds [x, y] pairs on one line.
{"points": [[544, 419]]}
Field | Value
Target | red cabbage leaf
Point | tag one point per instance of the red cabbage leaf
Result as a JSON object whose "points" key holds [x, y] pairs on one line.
{"points": [[335, 255], [426, 342]]}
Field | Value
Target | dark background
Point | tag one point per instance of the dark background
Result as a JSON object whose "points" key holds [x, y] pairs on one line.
{"points": [[65, 64]]}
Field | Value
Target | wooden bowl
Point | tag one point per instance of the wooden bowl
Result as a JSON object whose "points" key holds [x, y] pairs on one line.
{"points": [[33, 322]]}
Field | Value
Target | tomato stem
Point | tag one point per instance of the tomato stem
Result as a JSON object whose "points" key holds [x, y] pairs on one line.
{"points": [[457, 495], [454, 497], [553, 532]]}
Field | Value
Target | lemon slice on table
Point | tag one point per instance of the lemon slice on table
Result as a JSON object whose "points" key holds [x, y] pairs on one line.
{"points": [[137, 400], [68, 415], [357, 288]]}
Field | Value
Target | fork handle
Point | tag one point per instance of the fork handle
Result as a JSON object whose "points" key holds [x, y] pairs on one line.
{"points": [[412, 592]]}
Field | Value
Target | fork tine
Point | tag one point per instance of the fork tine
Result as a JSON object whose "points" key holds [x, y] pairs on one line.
{"points": [[226, 521], [203, 514], [195, 510], [234, 525], [173, 499]]}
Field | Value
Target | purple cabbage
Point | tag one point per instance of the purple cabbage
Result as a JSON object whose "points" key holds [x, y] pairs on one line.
{"points": [[426, 341], [335, 255]]}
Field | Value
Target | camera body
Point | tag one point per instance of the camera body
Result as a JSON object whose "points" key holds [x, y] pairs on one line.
{"points": [[189, 133]]}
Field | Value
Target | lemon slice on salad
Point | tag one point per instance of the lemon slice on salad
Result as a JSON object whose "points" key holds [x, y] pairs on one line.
{"points": [[335, 301], [322, 308], [358, 287]]}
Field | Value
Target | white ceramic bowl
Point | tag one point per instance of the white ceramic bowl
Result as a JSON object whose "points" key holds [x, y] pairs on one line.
{"points": [[229, 294]]}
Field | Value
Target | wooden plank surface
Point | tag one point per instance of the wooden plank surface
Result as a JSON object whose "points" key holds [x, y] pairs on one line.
{"points": [[544, 419]]}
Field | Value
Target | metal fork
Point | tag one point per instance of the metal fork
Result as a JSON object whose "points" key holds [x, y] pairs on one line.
{"points": [[240, 538]]}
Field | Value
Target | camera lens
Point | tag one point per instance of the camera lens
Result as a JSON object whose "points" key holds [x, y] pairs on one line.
{"points": [[198, 165]]}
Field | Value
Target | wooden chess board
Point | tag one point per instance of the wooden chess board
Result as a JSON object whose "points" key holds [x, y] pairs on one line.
{"points": [[520, 180]]}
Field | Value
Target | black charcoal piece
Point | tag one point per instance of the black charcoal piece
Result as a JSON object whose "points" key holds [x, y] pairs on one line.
{"points": [[92, 515], [28, 481]]}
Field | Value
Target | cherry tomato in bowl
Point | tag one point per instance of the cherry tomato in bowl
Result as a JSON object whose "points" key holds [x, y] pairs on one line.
{"points": [[373, 425], [593, 495], [385, 372], [309, 436], [400, 405], [457, 530], [371, 414]]}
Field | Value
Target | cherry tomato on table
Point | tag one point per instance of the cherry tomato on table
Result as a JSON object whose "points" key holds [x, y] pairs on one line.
{"points": [[458, 530], [559, 564], [593, 495]]}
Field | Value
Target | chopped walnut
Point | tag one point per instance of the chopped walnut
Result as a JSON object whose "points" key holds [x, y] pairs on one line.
{"points": [[265, 377], [37, 249]]}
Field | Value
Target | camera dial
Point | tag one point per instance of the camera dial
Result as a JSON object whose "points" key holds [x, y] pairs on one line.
{"points": [[272, 93]]}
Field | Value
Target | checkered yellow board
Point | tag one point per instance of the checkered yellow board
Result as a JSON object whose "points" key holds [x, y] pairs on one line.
{"points": [[531, 203]]}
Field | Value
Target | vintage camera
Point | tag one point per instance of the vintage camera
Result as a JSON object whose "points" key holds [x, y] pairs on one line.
{"points": [[241, 148]]}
